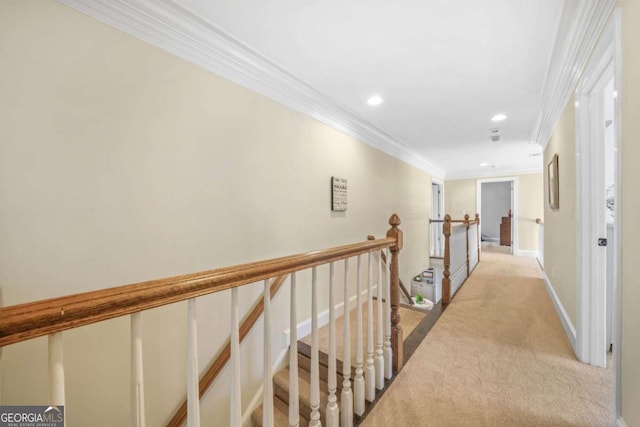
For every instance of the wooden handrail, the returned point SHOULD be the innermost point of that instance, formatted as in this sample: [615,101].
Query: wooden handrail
[397,338]
[446,281]
[448,224]
[462,221]
[402,287]
[216,366]
[26,321]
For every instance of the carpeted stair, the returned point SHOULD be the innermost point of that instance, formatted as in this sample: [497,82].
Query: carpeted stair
[410,318]
[281,389]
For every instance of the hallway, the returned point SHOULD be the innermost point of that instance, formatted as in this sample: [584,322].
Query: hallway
[497,357]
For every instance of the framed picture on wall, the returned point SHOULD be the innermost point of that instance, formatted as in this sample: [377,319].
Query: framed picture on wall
[553,188]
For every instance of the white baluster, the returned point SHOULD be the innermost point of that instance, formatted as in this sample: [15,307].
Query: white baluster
[137,377]
[379,330]
[193,393]
[369,373]
[333,412]
[267,395]
[388,352]
[235,416]
[315,365]
[294,408]
[56,370]
[347,397]
[358,381]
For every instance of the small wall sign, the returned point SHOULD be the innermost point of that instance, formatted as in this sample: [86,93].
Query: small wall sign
[338,194]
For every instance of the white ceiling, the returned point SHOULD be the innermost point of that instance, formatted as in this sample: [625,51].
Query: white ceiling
[443,68]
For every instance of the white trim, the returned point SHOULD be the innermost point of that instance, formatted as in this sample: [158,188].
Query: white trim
[617,272]
[304,327]
[484,173]
[514,205]
[591,291]
[174,29]
[568,60]
[569,329]
[256,400]
[620,422]
[520,252]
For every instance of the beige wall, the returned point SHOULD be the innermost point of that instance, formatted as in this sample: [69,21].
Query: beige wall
[560,224]
[630,100]
[121,163]
[461,198]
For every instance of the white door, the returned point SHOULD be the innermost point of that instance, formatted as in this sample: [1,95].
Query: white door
[596,167]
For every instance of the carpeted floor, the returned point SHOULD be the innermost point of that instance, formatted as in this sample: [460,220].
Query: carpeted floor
[495,247]
[498,356]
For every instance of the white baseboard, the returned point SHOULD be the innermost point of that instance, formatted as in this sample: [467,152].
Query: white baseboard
[620,422]
[304,327]
[562,313]
[521,252]
[256,401]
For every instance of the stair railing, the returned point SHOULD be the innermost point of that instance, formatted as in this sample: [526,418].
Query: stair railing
[54,316]
[403,288]
[461,253]
[221,360]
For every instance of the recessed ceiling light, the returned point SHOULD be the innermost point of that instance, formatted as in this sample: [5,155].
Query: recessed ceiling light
[498,118]
[374,100]
[484,164]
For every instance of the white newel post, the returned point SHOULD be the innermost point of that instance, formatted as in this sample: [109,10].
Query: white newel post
[388,352]
[193,392]
[379,330]
[137,375]
[235,416]
[358,381]
[369,373]
[333,412]
[56,370]
[294,408]
[315,363]
[347,397]
[267,380]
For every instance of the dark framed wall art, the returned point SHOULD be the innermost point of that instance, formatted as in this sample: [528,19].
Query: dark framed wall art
[552,183]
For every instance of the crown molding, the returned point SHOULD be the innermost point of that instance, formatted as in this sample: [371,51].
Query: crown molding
[569,58]
[482,173]
[168,26]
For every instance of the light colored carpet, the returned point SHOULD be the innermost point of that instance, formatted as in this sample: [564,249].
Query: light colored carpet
[498,356]
[495,248]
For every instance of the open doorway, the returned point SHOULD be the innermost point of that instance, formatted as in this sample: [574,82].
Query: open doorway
[496,206]
[437,218]
[598,169]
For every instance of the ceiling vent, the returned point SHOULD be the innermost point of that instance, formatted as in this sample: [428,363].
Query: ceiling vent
[495,134]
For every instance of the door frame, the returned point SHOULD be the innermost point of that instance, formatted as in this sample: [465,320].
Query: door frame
[440,184]
[591,292]
[514,206]
[436,237]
